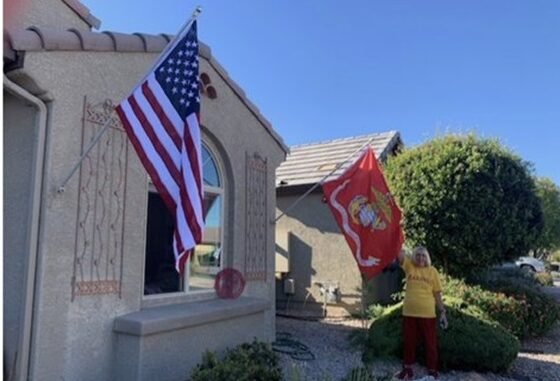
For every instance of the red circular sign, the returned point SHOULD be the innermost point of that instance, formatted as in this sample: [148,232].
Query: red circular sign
[229,284]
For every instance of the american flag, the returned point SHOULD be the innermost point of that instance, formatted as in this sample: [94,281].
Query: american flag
[161,118]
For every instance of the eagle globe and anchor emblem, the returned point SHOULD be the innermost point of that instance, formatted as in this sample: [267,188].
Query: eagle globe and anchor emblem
[362,211]
[376,215]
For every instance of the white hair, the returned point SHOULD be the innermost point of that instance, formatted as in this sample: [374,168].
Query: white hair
[422,250]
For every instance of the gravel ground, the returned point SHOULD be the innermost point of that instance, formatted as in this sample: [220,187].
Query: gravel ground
[539,359]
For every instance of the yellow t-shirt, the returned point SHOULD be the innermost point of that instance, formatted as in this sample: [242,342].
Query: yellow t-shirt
[421,283]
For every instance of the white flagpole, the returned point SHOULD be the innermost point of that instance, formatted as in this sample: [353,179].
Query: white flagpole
[105,127]
[320,182]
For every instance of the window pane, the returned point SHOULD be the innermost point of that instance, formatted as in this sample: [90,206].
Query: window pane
[209,169]
[207,258]
[160,275]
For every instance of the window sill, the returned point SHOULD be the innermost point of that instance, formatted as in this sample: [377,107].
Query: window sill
[174,317]
[157,300]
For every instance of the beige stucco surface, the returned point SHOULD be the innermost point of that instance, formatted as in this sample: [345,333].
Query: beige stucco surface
[74,339]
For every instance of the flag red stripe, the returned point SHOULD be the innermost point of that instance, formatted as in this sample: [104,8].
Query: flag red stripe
[181,260]
[190,215]
[154,175]
[161,150]
[193,156]
[178,242]
[158,110]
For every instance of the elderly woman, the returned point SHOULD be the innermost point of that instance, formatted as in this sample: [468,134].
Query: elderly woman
[423,293]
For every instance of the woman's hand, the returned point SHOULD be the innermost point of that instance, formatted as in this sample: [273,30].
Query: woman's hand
[443,323]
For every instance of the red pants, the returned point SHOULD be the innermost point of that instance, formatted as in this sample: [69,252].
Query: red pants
[414,330]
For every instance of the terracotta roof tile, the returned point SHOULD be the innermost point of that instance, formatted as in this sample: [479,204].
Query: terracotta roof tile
[57,39]
[126,42]
[25,40]
[152,44]
[95,41]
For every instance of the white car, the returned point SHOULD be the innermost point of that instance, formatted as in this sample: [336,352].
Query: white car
[530,264]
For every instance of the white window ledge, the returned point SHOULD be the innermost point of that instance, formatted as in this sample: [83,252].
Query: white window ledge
[156,320]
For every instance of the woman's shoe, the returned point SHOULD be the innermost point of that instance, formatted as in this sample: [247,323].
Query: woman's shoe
[405,374]
[433,373]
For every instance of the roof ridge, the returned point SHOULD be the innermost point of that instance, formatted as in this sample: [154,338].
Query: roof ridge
[83,12]
[390,132]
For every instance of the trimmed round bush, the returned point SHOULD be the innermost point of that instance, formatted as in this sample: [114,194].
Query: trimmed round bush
[472,342]
[470,201]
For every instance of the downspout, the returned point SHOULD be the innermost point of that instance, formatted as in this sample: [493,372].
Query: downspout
[22,365]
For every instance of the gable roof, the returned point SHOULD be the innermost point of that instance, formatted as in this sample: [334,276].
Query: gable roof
[308,164]
[50,39]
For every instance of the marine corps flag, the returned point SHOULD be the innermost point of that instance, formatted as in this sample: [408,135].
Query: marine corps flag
[367,214]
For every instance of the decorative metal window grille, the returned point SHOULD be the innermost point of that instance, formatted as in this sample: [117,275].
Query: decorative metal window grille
[101,205]
[256,221]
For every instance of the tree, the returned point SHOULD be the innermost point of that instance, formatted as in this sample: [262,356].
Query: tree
[471,201]
[549,196]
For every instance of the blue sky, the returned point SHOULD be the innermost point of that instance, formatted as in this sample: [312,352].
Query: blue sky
[325,69]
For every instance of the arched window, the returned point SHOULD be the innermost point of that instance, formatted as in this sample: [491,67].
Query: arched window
[206,261]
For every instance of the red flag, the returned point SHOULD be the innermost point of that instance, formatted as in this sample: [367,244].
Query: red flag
[161,118]
[367,214]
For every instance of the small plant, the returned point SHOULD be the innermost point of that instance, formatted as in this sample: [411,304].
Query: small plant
[248,362]
[374,311]
[545,279]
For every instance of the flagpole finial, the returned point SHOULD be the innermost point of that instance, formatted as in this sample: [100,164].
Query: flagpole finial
[197,12]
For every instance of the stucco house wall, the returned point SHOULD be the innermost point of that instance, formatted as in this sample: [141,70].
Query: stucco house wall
[112,331]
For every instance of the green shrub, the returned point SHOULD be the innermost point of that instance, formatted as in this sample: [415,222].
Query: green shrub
[549,196]
[471,201]
[472,342]
[508,311]
[247,362]
[542,309]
